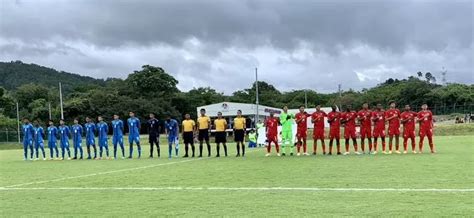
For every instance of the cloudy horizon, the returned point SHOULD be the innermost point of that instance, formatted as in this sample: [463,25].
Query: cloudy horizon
[305,44]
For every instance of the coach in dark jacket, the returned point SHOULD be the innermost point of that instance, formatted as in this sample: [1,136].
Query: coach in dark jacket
[153,134]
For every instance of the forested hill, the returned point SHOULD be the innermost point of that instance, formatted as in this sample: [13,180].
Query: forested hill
[16,73]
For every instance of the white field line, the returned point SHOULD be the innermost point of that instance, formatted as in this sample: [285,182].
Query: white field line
[108,172]
[271,189]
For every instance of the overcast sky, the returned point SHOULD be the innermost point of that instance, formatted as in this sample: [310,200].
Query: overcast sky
[218,43]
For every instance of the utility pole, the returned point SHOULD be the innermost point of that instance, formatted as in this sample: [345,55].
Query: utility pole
[18,121]
[305,99]
[49,109]
[256,96]
[61,100]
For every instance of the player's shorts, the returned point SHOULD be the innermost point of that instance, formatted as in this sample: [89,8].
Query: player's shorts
[379,133]
[335,133]
[301,134]
[349,133]
[171,139]
[132,139]
[393,131]
[51,144]
[117,139]
[153,137]
[272,138]
[78,144]
[408,134]
[188,137]
[65,144]
[39,145]
[221,137]
[203,135]
[103,143]
[239,135]
[27,143]
[90,141]
[426,132]
[318,133]
[365,132]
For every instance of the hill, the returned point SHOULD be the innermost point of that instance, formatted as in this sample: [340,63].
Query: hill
[17,73]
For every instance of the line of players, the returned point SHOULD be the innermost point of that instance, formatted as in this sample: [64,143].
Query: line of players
[367,118]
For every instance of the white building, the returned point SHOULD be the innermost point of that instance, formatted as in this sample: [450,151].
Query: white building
[311,111]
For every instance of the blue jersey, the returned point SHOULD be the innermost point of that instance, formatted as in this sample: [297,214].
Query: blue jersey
[172,127]
[117,126]
[39,134]
[28,132]
[133,126]
[52,133]
[102,129]
[77,132]
[90,130]
[64,133]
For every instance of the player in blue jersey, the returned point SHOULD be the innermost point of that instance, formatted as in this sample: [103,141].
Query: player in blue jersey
[39,140]
[64,134]
[172,132]
[102,130]
[134,133]
[77,138]
[52,139]
[117,137]
[90,137]
[28,134]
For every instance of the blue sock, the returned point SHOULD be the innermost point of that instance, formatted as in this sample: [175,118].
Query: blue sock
[170,150]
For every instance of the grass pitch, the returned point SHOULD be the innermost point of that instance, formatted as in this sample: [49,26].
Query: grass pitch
[365,185]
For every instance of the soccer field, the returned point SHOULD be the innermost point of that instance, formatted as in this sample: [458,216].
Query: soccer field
[367,185]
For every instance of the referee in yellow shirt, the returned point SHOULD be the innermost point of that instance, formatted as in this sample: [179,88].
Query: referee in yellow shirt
[189,127]
[204,126]
[239,133]
[221,136]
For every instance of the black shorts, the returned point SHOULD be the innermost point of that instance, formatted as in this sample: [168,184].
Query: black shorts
[188,137]
[221,137]
[239,135]
[203,135]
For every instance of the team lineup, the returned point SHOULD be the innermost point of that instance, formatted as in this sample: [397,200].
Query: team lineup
[372,127]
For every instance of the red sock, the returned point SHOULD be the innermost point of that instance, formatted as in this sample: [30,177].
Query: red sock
[324,147]
[338,148]
[269,147]
[314,147]
[413,144]
[390,146]
[304,147]
[430,141]
[421,144]
[347,147]
[383,146]
[405,144]
[277,147]
[362,145]
[355,147]
[370,147]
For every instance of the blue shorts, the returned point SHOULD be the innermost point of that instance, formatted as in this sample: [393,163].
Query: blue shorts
[117,139]
[65,144]
[90,141]
[132,139]
[77,144]
[39,145]
[171,139]
[28,143]
[104,143]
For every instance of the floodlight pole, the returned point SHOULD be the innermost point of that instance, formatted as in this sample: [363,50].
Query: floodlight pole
[61,100]
[18,122]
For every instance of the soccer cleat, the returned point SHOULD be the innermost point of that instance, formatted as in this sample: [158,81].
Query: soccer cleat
[384,152]
[68,158]
[405,152]
[324,153]
[358,153]
[267,154]
[44,158]
[314,153]
[374,152]
[433,152]
[346,153]
[306,154]
[339,153]
[414,152]
[390,152]
[61,158]
[238,155]
[291,154]
[88,158]
[278,154]
[283,154]
[200,156]
[217,155]
[397,152]
[298,154]
[75,158]
[36,158]
[329,153]
[123,158]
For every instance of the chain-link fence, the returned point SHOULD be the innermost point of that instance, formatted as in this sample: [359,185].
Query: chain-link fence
[8,135]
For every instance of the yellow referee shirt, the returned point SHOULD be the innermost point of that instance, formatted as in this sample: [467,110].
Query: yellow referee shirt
[203,122]
[220,124]
[188,125]
[239,123]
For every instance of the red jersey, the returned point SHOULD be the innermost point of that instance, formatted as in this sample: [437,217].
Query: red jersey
[409,117]
[364,117]
[334,119]
[318,119]
[426,119]
[272,126]
[349,118]
[379,119]
[395,122]
[302,121]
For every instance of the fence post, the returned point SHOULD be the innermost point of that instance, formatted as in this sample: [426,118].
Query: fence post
[7,133]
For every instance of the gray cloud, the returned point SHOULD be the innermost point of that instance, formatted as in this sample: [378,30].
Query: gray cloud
[210,43]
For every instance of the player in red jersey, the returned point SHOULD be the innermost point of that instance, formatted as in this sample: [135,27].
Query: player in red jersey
[318,131]
[408,120]
[348,119]
[301,119]
[425,118]
[392,115]
[378,117]
[365,126]
[334,120]
[271,125]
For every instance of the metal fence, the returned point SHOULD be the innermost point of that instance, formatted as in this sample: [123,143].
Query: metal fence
[7,135]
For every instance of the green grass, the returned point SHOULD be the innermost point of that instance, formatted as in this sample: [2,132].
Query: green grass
[451,168]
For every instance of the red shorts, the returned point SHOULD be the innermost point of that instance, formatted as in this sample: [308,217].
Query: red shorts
[301,134]
[318,134]
[335,133]
[379,133]
[365,132]
[426,132]
[349,133]
[393,131]
[272,138]
[408,134]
